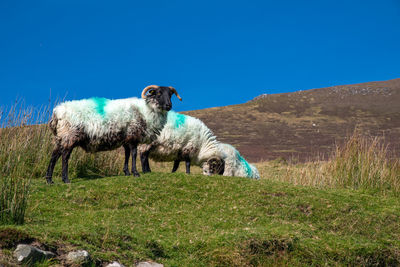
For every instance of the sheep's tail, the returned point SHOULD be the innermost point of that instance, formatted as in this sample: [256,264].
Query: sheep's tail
[53,124]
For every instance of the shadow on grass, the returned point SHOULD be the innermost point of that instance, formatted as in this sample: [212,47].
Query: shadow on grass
[87,177]
[92,177]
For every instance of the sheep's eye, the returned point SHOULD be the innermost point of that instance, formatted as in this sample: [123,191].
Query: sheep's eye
[151,92]
[158,93]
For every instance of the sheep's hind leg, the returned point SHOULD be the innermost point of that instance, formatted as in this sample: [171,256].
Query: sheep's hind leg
[65,157]
[148,164]
[127,154]
[176,165]
[54,157]
[133,148]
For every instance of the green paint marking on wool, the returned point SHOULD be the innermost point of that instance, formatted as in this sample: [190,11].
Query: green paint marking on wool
[178,119]
[249,172]
[100,102]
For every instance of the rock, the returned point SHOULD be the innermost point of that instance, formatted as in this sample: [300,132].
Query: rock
[78,257]
[115,264]
[149,264]
[27,254]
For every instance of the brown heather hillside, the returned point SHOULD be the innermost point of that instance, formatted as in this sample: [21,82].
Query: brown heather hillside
[306,123]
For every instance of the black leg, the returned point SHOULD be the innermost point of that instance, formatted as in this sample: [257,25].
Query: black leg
[143,162]
[54,157]
[133,148]
[147,163]
[65,157]
[144,159]
[187,161]
[127,154]
[176,165]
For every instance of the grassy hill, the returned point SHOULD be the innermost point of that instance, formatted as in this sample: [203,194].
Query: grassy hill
[306,123]
[194,220]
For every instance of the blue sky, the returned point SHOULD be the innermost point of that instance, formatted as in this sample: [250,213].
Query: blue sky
[214,53]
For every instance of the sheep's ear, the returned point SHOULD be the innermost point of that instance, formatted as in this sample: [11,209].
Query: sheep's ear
[152,92]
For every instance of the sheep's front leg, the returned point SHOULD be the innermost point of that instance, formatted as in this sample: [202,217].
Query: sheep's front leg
[133,148]
[65,157]
[127,155]
[176,165]
[54,157]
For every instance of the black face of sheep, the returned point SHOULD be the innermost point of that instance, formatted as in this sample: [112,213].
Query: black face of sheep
[214,166]
[159,96]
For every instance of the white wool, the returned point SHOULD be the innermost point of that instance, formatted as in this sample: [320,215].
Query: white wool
[235,164]
[184,134]
[99,116]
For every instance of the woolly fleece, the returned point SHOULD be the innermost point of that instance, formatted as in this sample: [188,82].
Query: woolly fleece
[184,135]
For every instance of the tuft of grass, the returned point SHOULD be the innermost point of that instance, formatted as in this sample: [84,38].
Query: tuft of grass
[361,163]
[20,159]
[14,193]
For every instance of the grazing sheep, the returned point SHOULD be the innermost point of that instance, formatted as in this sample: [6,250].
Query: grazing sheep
[235,164]
[182,138]
[99,124]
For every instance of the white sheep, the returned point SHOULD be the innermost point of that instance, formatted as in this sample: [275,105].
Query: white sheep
[182,138]
[99,124]
[234,164]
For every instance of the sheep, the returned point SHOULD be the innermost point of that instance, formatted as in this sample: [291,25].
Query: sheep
[182,138]
[100,124]
[187,138]
[234,164]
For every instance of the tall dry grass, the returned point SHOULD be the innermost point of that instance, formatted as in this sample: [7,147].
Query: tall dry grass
[361,163]
[25,149]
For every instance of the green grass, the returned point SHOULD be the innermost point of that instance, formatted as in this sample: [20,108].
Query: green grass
[193,220]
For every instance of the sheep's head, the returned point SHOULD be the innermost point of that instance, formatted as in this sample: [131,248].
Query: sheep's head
[214,166]
[159,97]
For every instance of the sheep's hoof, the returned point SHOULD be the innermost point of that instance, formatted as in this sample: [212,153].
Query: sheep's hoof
[127,173]
[66,181]
[136,174]
[49,181]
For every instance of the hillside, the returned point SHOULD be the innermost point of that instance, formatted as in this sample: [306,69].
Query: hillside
[306,123]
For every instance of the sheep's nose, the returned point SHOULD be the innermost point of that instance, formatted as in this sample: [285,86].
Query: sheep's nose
[168,107]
